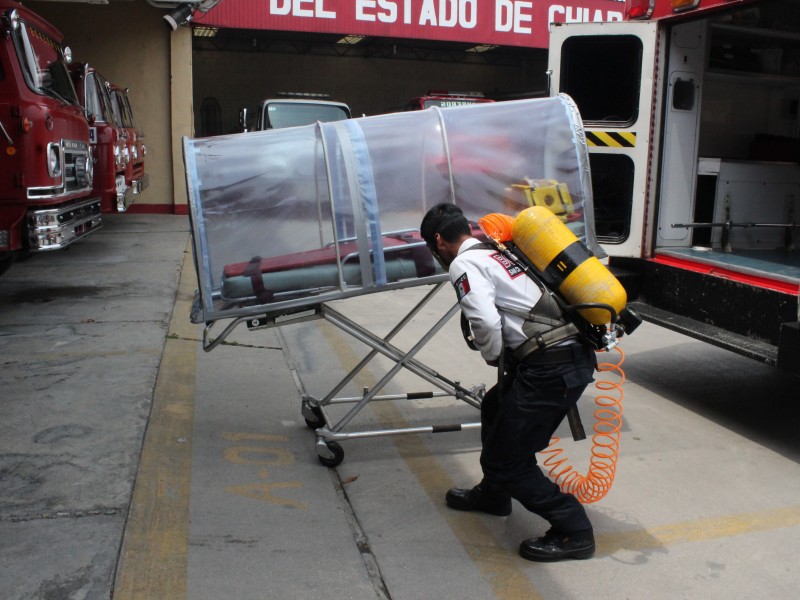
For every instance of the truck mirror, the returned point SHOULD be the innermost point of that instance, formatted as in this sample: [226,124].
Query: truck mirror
[45,79]
[243,119]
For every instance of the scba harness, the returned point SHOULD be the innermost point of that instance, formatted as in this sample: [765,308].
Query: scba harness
[551,321]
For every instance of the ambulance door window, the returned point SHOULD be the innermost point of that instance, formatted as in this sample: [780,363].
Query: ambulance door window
[612,188]
[602,73]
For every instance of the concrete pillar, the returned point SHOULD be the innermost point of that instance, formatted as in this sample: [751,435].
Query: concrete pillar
[181,110]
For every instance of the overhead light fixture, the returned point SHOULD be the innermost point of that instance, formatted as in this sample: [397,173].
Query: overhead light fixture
[205,31]
[482,48]
[351,39]
[180,15]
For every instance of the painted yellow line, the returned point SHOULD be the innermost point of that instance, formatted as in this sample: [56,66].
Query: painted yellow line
[153,560]
[699,531]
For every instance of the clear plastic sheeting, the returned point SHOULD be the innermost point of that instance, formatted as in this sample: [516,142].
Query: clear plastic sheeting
[288,218]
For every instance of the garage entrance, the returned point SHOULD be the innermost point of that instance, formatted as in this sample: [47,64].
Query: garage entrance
[237,68]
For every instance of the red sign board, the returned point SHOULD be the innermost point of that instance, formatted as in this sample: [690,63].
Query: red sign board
[498,22]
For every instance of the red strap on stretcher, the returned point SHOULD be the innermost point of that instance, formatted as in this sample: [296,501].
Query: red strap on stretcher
[254,272]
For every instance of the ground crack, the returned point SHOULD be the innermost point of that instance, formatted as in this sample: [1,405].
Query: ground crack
[362,542]
[62,514]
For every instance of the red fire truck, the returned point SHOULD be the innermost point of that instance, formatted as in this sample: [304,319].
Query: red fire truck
[46,199]
[108,140]
[692,117]
[135,176]
[444,99]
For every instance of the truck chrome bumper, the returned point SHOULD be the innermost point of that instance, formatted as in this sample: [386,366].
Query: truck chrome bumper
[140,185]
[55,228]
[124,199]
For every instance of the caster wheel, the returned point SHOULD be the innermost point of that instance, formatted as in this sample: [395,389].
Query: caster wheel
[318,420]
[338,455]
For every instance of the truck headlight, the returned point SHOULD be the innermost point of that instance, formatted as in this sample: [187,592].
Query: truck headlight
[54,160]
[89,170]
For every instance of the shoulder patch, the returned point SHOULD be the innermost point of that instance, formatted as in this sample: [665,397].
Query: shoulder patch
[512,269]
[462,286]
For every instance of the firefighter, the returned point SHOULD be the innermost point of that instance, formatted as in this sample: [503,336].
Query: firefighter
[505,309]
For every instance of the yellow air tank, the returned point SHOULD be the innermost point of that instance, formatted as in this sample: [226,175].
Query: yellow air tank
[567,265]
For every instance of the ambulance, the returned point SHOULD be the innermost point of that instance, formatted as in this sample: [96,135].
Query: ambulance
[691,110]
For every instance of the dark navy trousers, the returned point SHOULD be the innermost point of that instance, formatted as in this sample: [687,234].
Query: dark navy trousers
[519,421]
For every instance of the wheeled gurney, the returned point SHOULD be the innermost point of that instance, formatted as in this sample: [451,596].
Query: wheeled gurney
[285,222]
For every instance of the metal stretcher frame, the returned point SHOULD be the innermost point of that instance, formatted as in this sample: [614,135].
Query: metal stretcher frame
[355,192]
[329,432]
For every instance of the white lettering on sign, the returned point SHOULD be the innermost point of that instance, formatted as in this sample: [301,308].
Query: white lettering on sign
[576,14]
[301,8]
[511,15]
[449,13]
[387,10]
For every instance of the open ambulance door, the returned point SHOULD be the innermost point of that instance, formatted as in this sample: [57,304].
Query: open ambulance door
[608,70]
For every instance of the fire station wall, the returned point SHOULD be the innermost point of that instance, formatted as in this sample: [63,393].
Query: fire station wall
[368,85]
[130,44]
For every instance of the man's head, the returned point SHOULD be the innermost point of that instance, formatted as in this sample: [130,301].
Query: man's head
[443,228]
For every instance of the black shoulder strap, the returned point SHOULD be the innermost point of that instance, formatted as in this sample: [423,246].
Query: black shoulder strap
[481,246]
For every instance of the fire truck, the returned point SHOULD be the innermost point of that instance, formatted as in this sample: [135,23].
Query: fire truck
[135,149]
[691,110]
[46,199]
[108,140]
[445,99]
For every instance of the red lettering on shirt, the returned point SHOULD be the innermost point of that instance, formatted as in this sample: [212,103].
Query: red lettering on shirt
[513,269]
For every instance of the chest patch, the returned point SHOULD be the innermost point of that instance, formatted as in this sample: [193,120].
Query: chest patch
[462,286]
[512,269]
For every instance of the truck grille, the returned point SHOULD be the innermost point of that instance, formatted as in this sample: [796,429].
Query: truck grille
[75,176]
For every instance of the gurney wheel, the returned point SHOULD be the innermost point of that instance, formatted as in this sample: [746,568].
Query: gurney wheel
[338,455]
[318,420]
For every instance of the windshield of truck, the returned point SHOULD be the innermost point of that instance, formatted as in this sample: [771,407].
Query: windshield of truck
[293,114]
[97,101]
[126,103]
[122,115]
[43,64]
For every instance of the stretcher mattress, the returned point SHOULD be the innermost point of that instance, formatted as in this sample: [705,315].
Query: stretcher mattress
[313,271]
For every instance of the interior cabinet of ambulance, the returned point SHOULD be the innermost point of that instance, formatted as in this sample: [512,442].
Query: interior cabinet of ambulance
[749,167]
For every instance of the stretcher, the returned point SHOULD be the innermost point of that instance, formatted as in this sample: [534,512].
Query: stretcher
[286,222]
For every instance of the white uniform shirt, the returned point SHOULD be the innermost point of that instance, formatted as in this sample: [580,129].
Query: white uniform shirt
[485,280]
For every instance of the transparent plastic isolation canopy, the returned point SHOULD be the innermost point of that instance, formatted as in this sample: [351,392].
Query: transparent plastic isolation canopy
[289,218]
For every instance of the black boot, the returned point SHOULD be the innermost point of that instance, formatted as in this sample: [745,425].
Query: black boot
[479,500]
[555,545]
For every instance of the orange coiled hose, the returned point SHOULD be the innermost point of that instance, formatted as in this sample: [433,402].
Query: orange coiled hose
[605,442]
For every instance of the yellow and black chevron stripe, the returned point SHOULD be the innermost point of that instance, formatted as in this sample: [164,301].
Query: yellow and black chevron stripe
[611,139]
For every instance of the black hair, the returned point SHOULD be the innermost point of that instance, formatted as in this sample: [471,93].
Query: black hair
[447,220]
